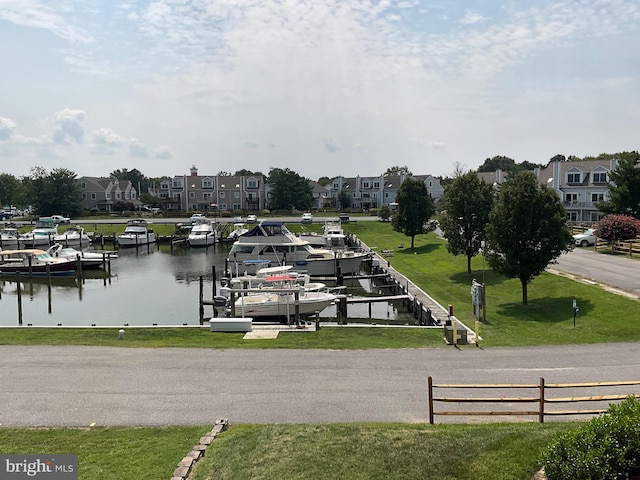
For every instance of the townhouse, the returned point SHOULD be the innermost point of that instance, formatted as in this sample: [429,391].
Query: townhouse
[103,192]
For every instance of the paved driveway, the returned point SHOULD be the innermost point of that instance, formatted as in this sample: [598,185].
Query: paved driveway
[78,386]
[617,271]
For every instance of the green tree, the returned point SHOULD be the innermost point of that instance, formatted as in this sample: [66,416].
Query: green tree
[11,191]
[465,213]
[498,162]
[246,173]
[617,227]
[527,229]
[324,181]
[415,208]
[397,170]
[624,187]
[384,212]
[344,199]
[289,190]
[137,179]
[53,193]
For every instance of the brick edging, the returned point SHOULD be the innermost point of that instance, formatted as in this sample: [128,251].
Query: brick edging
[185,465]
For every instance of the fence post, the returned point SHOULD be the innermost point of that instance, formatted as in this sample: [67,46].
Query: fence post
[541,408]
[430,388]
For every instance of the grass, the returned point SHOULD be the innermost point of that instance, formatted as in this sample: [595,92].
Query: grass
[109,453]
[318,451]
[547,319]
[367,451]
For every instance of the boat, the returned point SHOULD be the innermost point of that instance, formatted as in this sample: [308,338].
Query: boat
[273,241]
[202,234]
[42,234]
[137,232]
[87,259]
[263,279]
[280,297]
[9,238]
[238,229]
[73,236]
[34,262]
[332,236]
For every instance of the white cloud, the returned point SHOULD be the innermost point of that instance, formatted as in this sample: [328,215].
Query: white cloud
[106,142]
[68,126]
[471,18]
[330,146]
[251,144]
[437,145]
[162,152]
[7,127]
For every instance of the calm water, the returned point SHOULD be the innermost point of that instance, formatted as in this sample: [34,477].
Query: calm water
[146,287]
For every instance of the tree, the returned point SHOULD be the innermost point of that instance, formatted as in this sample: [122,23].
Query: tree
[527,229]
[137,179]
[391,171]
[53,193]
[246,173]
[289,190]
[384,212]
[11,190]
[415,208]
[498,162]
[344,199]
[624,186]
[465,213]
[617,227]
[324,181]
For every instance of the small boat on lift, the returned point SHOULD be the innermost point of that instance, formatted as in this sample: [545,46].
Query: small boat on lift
[202,234]
[9,238]
[88,259]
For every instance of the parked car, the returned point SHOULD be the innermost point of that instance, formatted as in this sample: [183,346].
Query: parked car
[196,217]
[60,219]
[307,218]
[344,218]
[586,238]
[252,219]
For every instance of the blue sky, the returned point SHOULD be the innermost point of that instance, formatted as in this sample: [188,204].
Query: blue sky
[323,87]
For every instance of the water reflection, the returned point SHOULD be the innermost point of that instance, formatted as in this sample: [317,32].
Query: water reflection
[156,285]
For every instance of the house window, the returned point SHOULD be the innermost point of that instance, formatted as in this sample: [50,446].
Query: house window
[165,185]
[572,216]
[336,186]
[84,196]
[164,195]
[133,195]
[108,196]
[573,178]
[222,206]
[365,195]
[84,185]
[221,194]
[596,216]
[374,195]
[571,197]
[207,184]
[192,194]
[252,183]
[93,196]
[600,177]
[236,194]
[126,196]
[386,194]
[376,184]
[207,196]
[597,197]
[118,196]
[237,206]
[176,195]
[365,184]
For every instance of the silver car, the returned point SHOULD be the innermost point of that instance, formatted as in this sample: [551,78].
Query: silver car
[586,238]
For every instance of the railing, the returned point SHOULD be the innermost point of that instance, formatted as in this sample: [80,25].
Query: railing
[538,399]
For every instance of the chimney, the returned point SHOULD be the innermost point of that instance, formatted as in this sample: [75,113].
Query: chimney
[194,171]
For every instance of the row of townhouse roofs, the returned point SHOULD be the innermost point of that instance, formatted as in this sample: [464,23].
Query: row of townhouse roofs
[580,186]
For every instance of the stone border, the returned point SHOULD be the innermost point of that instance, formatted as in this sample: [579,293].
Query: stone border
[185,466]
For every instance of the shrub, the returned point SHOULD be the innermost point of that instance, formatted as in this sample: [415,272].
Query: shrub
[606,448]
[618,227]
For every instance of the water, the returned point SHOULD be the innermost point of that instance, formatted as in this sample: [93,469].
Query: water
[148,286]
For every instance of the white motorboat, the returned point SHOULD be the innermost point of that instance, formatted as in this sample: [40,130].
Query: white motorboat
[265,277]
[9,238]
[42,234]
[238,229]
[281,296]
[273,241]
[136,233]
[332,236]
[73,236]
[88,259]
[34,262]
[202,234]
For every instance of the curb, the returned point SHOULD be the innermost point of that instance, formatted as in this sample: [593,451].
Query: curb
[185,466]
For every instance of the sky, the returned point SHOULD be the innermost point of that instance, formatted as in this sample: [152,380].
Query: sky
[322,87]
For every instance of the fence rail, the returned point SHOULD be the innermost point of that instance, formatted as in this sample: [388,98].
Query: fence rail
[538,400]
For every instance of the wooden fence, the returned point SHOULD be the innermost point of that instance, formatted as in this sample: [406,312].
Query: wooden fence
[537,400]
[629,247]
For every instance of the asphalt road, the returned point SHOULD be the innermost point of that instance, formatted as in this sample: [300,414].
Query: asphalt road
[617,271]
[79,386]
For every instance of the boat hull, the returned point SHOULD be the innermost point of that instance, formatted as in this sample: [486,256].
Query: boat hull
[60,269]
[279,305]
[132,240]
[201,240]
[346,264]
